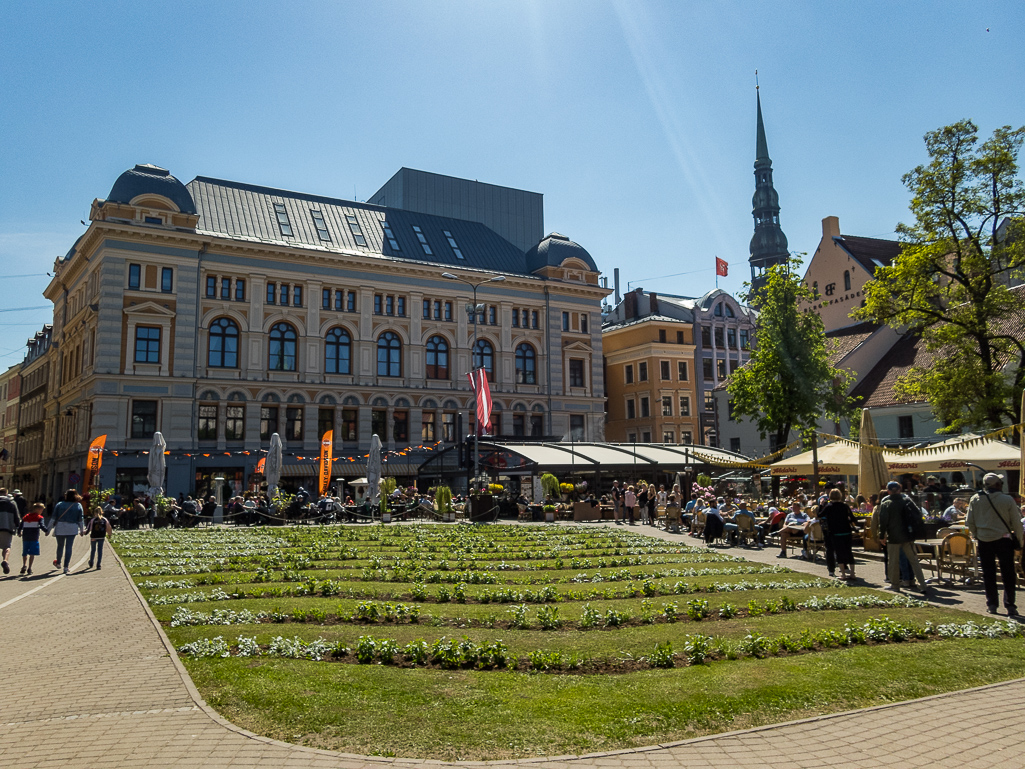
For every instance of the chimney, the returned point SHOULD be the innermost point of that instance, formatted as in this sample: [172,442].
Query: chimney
[630,306]
[830,227]
[615,274]
[653,297]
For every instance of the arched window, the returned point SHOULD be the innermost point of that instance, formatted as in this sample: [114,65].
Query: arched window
[484,355]
[338,352]
[718,310]
[281,352]
[729,312]
[526,364]
[846,280]
[389,354]
[437,358]
[223,347]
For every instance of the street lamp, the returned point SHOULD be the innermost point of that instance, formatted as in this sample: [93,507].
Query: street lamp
[474,309]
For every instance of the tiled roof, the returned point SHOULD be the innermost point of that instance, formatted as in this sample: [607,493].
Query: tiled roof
[843,341]
[246,212]
[869,252]
[877,388]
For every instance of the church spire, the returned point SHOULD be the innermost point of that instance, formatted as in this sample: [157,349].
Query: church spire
[768,245]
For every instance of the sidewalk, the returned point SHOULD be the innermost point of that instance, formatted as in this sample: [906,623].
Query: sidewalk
[89,682]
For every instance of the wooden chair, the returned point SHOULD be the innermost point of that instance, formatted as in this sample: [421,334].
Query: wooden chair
[523,513]
[746,533]
[699,522]
[816,541]
[956,554]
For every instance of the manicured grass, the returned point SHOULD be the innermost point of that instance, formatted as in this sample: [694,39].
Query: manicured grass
[636,682]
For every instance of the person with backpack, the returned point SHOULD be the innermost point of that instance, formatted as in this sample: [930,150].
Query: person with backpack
[899,518]
[99,529]
[10,519]
[995,521]
[67,521]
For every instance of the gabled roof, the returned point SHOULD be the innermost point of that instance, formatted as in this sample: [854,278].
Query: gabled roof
[869,252]
[843,341]
[245,212]
[878,386]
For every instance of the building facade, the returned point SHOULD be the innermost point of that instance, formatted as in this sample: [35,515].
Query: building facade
[10,396]
[220,312]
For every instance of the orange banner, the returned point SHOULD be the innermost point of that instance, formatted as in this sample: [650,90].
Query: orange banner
[93,462]
[261,464]
[325,461]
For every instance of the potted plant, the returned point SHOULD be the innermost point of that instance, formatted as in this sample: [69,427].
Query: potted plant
[443,501]
[550,485]
[549,511]
[386,487]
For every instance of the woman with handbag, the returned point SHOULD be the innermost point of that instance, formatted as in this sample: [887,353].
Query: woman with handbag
[68,520]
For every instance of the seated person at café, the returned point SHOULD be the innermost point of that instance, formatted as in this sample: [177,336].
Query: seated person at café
[774,523]
[793,526]
[714,522]
[956,512]
[733,527]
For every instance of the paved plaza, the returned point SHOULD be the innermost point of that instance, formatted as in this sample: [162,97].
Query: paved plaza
[90,681]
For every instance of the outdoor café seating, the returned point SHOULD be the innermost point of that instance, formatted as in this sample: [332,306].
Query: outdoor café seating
[956,555]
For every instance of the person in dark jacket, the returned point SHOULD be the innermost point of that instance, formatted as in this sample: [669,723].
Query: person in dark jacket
[20,501]
[838,524]
[895,536]
[10,519]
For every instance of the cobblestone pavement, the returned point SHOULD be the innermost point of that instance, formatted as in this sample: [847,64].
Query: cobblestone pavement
[90,682]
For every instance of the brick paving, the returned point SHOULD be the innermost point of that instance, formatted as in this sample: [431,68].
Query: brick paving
[90,682]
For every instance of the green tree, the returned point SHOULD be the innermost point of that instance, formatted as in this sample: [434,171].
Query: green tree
[788,384]
[950,282]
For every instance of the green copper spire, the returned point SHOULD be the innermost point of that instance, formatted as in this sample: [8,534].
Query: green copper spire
[768,245]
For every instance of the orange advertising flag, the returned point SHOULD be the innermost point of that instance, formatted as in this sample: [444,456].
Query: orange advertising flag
[94,461]
[325,461]
[261,464]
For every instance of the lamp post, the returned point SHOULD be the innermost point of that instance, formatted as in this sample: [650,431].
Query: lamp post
[474,309]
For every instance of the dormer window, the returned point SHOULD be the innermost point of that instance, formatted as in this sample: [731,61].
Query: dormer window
[153,220]
[283,223]
[423,241]
[452,242]
[391,236]
[354,228]
[321,225]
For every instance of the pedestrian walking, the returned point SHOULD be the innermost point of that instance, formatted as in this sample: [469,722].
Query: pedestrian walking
[642,502]
[838,524]
[896,513]
[652,513]
[617,503]
[630,502]
[99,529]
[10,518]
[28,530]
[68,520]
[995,521]
[20,501]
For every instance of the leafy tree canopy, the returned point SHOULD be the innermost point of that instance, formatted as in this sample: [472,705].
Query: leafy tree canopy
[788,383]
[952,281]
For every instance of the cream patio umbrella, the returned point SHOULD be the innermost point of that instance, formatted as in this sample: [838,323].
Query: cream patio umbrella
[872,472]
[374,472]
[155,474]
[272,467]
[838,458]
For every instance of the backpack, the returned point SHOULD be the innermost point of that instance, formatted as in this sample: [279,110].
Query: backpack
[98,529]
[911,518]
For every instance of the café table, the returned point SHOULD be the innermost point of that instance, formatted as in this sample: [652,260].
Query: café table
[931,549]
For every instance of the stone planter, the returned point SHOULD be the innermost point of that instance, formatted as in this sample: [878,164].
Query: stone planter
[385,517]
[449,517]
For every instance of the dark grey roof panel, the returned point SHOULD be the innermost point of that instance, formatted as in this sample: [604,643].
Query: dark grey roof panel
[150,179]
[246,212]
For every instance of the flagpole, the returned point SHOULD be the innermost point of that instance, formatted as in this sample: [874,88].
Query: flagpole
[717,272]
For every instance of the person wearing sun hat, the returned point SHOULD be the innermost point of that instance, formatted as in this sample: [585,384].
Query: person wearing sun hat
[995,521]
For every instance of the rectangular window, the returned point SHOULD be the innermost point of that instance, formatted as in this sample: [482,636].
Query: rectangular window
[339,300]
[515,318]
[519,427]
[684,406]
[235,423]
[492,316]
[401,307]
[379,423]
[686,437]
[225,288]
[325,421]
[662,335]
[134,275]
[294,423]
[628,373]
[378,304]
[147,344]
[423,241]
[283,295]
[706,336]
[325,299]
[166,279]
[709,401]
[448,423]
[667,405]
[729,411]
[646,436]
[452,243]
[427,309]
[282,216]
[679,337]
[533,318]
[718,338]
[427,427]
[565,321]
[630,409]
[349,420]
[905,427]
[720,367]
[537,426]
[389,305]
[271,293]
[733,365]
[576,426]
[576,372]
[354,228]
[707,369]
[668,436]
[351,303]
[321,225]
[240,290]
[642,371]
[297,296]
[390,236]
[211,287]
[400,426]
[735,445]
[681,370]
[268,422]
[207,422]
[437,310]
[744,340]
[663,370]
[645,408]
[583,323]
[731,338]
[448,310]
[144,419]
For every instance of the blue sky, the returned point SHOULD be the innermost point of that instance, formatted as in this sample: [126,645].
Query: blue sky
[635,119]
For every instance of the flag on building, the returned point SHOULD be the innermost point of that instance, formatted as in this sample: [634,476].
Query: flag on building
[722,267]
[479,383]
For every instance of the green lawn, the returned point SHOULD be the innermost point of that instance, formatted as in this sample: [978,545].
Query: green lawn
[459,642]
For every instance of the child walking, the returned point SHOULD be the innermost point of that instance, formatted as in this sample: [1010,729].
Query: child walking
[99,529]
[29,530]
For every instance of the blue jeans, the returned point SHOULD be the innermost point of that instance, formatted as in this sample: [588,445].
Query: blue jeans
[96,551]
[64,545]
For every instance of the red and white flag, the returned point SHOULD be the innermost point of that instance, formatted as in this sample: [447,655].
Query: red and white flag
[479,383]
[722,267]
